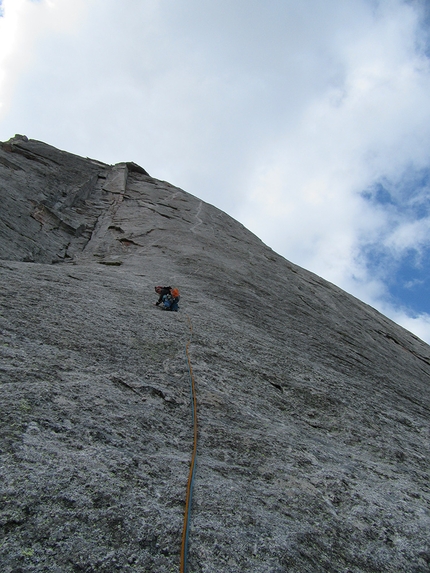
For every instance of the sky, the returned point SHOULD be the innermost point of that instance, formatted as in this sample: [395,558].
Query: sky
[308,121]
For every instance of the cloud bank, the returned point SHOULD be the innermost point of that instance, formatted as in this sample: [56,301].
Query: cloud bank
[307,121]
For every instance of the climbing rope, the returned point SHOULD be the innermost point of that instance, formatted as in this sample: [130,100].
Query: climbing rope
[189,496]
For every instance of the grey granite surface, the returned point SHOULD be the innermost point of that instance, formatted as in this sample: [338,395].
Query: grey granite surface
[313,408]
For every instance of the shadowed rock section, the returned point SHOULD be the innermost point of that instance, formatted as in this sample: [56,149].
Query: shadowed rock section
[313,407]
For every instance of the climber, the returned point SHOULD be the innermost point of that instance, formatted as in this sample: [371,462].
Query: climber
[168,298]
[171,300]
[162,291]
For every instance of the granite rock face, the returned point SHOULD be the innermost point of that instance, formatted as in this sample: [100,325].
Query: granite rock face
[313,408]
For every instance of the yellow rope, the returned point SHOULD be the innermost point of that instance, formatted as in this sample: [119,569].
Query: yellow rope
[188,499]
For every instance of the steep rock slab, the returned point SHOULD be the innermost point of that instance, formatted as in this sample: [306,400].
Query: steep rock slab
[313,407]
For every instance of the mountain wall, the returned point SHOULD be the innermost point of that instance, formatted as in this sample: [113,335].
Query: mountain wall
[313,408]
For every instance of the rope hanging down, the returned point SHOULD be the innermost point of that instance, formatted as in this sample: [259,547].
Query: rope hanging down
[189,496]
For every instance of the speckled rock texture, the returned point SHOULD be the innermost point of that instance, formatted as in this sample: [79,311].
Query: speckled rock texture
[313,408]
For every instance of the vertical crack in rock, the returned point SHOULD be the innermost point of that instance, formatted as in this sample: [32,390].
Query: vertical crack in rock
[199,221]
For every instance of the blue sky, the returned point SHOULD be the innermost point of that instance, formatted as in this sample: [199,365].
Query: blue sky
[405,265]
[307,121]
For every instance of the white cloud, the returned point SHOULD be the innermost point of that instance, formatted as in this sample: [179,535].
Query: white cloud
[409,235]
[22,28]
[414,283]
